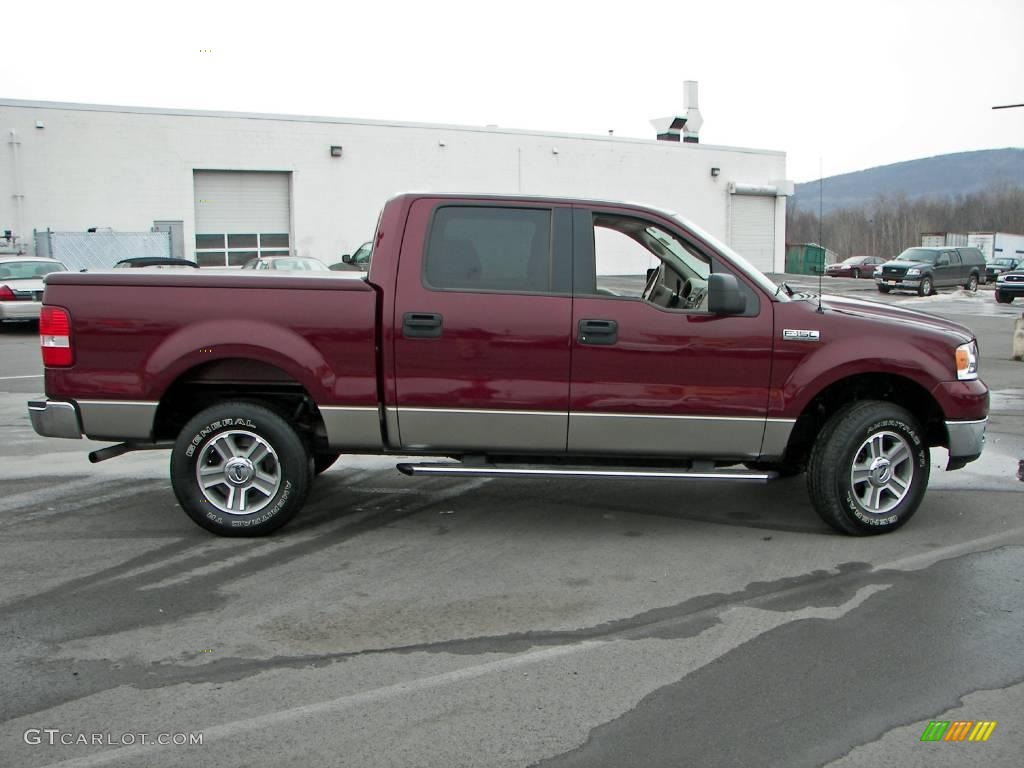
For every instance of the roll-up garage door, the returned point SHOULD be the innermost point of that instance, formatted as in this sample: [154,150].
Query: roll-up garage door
[752,229]
[241,215]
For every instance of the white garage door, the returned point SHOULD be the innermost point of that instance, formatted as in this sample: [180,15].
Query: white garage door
[240,215]
[752,229]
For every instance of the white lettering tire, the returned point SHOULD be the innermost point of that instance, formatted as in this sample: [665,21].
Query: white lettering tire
[868,471]
[239,469]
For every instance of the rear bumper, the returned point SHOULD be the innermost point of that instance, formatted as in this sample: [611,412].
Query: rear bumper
[966,440]
[20,310]
[55,418]
[96,419]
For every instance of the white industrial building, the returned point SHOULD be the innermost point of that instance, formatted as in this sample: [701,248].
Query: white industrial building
[228,185]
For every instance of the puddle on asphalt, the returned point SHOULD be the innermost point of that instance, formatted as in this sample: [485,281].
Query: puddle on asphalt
[998,469]
[1006,400]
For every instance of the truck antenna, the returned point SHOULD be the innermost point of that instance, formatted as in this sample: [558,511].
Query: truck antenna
[821,239]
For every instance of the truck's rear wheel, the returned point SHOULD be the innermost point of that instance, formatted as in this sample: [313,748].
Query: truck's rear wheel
[240,469]
[972,283]
[869,468]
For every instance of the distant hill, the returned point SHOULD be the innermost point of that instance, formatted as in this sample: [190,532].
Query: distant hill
[941,176]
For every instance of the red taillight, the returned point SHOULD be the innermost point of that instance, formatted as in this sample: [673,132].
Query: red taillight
[6,294]
[55,337]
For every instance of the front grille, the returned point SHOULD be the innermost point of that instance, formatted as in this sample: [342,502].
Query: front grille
[893,272]
[1014,278]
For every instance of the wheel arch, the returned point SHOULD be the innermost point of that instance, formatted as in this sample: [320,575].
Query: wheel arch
[237,378]
[888,387]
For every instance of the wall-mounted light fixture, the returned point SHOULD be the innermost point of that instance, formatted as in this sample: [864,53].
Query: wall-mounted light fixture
[40,124]
[441,143]
[554,150]
[335,151]
[715,171]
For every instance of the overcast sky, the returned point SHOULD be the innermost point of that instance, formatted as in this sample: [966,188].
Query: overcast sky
[848,84]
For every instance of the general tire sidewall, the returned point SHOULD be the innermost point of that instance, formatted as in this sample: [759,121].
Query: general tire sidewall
[920,457]
[292,458]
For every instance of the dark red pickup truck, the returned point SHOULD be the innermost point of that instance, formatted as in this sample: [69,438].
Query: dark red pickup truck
[516,336]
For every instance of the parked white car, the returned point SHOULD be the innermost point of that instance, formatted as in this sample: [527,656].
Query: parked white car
[21,285]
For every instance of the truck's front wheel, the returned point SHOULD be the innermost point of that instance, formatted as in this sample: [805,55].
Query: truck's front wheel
[239,469]
[869,468]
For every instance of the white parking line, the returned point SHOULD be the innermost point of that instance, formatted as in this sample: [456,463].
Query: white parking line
[33,376]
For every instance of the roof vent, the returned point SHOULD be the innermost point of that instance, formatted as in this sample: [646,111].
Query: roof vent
[685,127]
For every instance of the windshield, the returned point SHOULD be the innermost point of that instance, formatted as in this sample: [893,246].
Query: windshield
[694,265]
[1004,262]
[308,265]
[740,263]
[28,270]
[919,255]
[362,255]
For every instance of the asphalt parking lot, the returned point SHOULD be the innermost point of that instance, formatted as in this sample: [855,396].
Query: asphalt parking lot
[438,622]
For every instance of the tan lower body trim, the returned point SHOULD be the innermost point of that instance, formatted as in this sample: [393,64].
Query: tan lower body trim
[353,428]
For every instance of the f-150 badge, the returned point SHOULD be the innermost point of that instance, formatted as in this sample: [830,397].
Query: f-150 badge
[790,334]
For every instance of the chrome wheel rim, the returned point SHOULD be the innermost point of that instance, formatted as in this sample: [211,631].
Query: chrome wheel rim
[882,472]
[238,472]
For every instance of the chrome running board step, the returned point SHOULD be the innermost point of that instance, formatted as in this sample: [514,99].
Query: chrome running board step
[546,470]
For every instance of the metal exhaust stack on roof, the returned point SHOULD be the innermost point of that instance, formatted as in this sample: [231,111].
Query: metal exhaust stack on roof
[686,126]
[694,121]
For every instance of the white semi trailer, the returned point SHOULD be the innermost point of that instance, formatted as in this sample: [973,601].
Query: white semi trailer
[996,244]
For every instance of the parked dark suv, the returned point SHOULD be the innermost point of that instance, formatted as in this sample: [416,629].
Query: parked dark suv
[925,269]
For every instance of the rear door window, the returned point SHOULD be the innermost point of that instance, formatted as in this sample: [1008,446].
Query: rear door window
[491,249]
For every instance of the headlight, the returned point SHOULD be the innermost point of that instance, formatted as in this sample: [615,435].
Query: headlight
[1000,278]
[967,361]
[878,272]
[913,271]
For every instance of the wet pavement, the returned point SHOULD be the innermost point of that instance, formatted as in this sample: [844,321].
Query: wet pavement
[437,622]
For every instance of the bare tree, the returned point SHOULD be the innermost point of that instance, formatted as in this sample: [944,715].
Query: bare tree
[889,224]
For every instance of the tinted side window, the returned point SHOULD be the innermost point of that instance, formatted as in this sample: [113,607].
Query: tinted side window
[490,249]
[971,256]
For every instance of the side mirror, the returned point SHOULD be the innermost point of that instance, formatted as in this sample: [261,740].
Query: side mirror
[724,295]
[346,258]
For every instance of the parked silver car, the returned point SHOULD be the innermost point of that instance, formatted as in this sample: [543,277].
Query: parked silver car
[21,285]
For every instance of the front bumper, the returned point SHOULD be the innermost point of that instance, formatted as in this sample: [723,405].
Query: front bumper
[1015,289]
[906,283]
[55,418]
[966,440]
[20,310]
